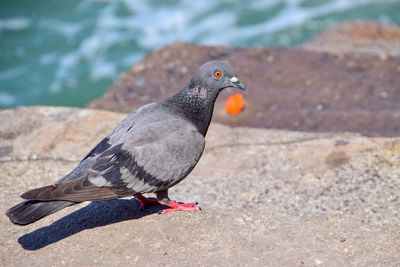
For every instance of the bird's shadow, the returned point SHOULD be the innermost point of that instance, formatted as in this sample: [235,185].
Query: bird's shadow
[93,215]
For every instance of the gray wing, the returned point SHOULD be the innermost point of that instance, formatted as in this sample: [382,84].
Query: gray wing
[86,163]
[149,157]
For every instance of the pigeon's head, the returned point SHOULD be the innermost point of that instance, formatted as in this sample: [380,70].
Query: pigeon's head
[216,75]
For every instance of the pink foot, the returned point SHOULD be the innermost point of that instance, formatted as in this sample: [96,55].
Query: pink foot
[144,201]
[174,206]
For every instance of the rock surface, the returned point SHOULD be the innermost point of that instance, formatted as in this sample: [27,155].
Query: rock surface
[358,37]
[270,197]
[294,89]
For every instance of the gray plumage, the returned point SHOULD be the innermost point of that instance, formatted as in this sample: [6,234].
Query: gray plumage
[150,151]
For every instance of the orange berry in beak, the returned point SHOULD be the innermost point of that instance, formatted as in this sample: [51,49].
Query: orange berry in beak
[234,104]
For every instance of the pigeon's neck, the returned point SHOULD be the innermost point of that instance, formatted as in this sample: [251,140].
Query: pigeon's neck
[196,104]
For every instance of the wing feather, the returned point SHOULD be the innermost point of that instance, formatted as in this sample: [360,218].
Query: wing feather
[153,159]
[77,190]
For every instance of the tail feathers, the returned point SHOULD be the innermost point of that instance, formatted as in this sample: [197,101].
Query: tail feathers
[30,211]
[77,190]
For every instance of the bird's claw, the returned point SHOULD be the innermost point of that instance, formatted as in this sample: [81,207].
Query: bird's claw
[175,206]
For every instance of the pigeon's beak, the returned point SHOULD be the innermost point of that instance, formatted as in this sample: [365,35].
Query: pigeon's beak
[235,82]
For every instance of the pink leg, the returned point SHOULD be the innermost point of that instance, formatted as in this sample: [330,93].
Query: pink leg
[175,206]
[144,201]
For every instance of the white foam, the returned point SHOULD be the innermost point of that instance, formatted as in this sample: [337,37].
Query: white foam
[68,30]
[48,58]
[154,26]
[15,24]
[293,14]
[7,100]
[102,69]
[66,63]
[11,73]
[131,59]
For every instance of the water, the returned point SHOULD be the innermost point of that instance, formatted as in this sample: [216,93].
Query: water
[69,52]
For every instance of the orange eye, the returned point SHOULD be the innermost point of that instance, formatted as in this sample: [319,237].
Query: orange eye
[217,73]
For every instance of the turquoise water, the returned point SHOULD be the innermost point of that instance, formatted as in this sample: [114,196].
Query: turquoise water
[69,52]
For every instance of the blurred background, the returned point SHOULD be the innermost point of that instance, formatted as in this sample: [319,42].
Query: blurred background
[69,52]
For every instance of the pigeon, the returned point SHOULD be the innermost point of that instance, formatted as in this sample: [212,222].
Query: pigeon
[151,150]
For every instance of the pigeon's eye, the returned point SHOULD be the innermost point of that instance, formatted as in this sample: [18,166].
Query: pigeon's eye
[217,73]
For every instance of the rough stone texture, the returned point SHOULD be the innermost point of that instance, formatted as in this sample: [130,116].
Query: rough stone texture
[270,197]
[294,89]
[358,37]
